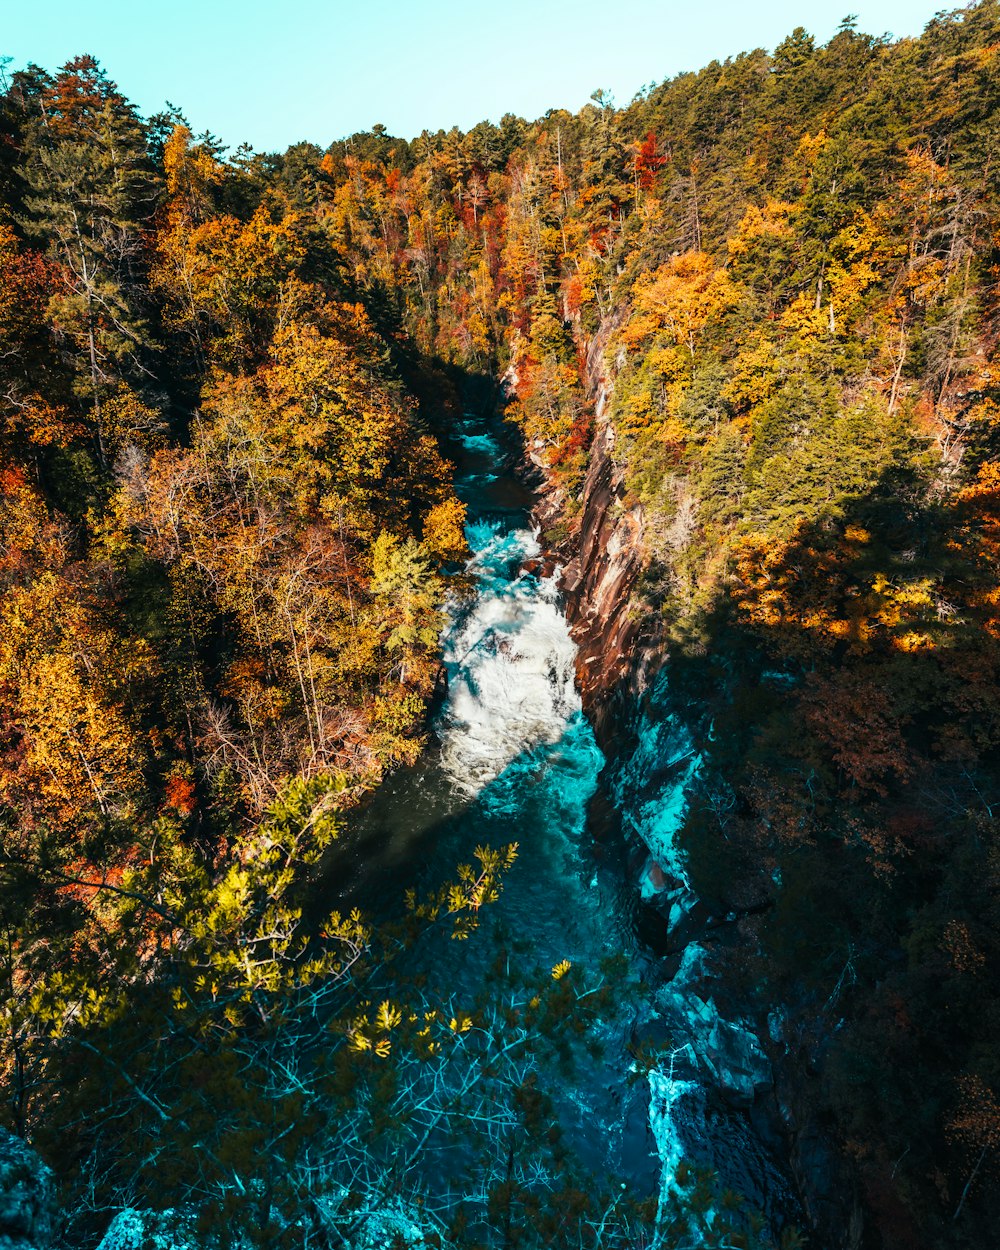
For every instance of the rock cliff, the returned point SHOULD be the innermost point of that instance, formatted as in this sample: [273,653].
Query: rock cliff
[602,559]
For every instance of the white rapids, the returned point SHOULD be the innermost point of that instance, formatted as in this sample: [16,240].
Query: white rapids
[510,662]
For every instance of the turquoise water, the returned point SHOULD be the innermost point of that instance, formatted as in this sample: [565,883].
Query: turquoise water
[515,760]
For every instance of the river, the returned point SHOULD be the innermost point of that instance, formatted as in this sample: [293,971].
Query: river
[516,761]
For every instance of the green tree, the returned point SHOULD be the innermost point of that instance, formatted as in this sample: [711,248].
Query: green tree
[90,192]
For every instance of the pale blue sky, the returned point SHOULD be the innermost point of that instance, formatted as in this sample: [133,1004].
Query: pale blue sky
[271,72]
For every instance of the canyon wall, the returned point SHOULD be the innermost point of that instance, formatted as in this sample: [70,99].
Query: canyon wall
[602,559]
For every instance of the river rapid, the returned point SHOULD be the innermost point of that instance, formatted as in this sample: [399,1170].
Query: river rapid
[516,761]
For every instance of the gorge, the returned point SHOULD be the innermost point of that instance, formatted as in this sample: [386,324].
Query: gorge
[500,667]
[518,761]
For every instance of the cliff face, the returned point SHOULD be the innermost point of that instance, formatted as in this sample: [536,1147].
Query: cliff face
[602,561]
[598,581]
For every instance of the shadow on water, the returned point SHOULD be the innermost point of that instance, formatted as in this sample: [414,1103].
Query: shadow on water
[419,826]
[559,901]
[564,898]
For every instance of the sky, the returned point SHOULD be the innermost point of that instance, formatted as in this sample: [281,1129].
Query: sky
[273,72]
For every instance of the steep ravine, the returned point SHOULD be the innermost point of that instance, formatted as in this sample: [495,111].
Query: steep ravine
[518,760]
[647,737]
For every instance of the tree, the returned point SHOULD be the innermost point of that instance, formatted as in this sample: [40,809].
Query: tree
[407,601]
[90,192]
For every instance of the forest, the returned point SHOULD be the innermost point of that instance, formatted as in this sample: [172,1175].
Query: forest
[229,527]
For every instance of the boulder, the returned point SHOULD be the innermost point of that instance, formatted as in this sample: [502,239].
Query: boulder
[729,1051]
[737,1060]
[149,1230]
[395,1224]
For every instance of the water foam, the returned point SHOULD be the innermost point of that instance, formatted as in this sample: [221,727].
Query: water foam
[510,661]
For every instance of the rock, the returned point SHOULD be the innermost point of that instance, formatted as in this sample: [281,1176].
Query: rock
[26,1215]
[149,1230]
[726,1052]
[730,1052]
[652,880]
[827,1184]
[737,1060]
[600,554]
[395,1224]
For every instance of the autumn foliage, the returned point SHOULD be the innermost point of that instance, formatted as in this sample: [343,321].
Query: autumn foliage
[227,521]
